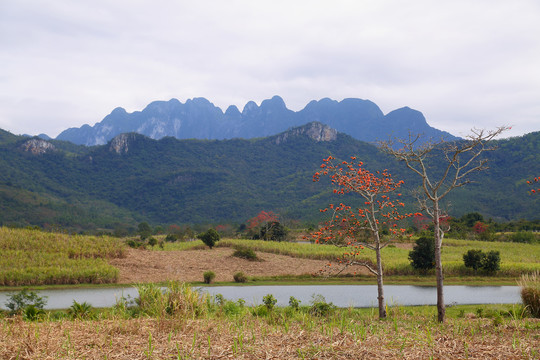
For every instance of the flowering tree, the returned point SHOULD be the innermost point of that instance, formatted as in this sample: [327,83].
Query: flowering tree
[264,218]
[359,228]
[460,159]
[532,184]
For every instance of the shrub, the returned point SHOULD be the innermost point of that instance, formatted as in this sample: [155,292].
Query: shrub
[294,303]
[491,261]
[473,259]
[523,237]
[530,292]
[240,277]
[273,231]
[477,259]
[18,303]
[80,311]
[319,306]
[422,256]
[209,276]
[245,253]
[171,238]
[152,241]
[269,301]
[209,238]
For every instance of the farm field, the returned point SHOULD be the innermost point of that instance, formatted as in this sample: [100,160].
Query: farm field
[33,258]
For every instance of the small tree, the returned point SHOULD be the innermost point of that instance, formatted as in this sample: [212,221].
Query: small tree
[461,159]
[144,230]
[422,256]
[273,231]
[473,259]
[359,228]
[209,238]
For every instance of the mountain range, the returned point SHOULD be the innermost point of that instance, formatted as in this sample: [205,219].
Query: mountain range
[134,178]
[198,118]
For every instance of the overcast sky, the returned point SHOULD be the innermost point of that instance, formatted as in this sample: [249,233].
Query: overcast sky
[463,64]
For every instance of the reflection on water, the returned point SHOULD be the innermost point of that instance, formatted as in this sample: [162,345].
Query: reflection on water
[339,295]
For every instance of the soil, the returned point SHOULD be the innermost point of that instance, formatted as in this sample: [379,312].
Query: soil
[141,266]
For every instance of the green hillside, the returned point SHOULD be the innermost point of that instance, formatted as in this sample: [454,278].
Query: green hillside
[210,181]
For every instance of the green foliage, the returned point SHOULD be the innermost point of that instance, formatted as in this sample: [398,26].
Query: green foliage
[524,237]
[294,303]
[319,306]
[171,238]
[144,230]
[208,276]
[269,301]
[80,310]
[245,253]
[240,277]
[492,261]
[273,231]
[473,259]
[173,180]
[152,241]
[19,303]
[209,238]
[422,256]
[477,259]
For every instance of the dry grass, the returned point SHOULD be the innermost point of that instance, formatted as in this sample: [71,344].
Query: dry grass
[261,338]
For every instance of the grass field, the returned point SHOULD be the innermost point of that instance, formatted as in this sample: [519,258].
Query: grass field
[178,325]
[33,257]
[516,258]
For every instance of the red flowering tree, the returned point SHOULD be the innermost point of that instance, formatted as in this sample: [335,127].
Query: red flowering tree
[533,184]
[359,228]
[264,218]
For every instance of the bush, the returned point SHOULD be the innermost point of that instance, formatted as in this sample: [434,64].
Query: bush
[294,303]
[209,238]
[273,231]
[240,277]
[208,276]
[245,253]
[171,238]
[523,237]
[319,306]
[491,261]
[80,311]
[422,256]
[473,259]
[530,292]
[269,301]
[477,259]
[25,300]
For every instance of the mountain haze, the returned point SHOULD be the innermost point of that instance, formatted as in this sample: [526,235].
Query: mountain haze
[198,118]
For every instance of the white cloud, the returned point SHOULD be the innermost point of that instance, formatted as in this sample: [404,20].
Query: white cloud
[461,63]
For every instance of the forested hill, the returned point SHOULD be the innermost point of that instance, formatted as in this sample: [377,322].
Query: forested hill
[134,178]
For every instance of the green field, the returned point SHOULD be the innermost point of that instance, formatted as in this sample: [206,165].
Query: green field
[33,257]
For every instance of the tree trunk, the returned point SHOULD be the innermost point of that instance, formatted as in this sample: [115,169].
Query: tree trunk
[380,289]
[441,309]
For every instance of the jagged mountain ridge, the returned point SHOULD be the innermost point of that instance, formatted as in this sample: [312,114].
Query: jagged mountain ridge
[198,118]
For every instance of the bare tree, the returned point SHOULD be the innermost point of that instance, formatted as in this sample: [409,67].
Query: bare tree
[461,158]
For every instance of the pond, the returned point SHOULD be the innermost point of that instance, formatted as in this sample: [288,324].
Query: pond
[339,295]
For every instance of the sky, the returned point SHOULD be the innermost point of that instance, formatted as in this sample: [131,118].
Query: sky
[463,63]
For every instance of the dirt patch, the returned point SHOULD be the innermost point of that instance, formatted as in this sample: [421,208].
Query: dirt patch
[155,266]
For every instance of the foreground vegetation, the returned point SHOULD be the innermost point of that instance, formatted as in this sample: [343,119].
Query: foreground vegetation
[33,257]
[180,324]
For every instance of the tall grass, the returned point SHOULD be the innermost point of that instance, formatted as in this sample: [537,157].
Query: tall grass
[33,257]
